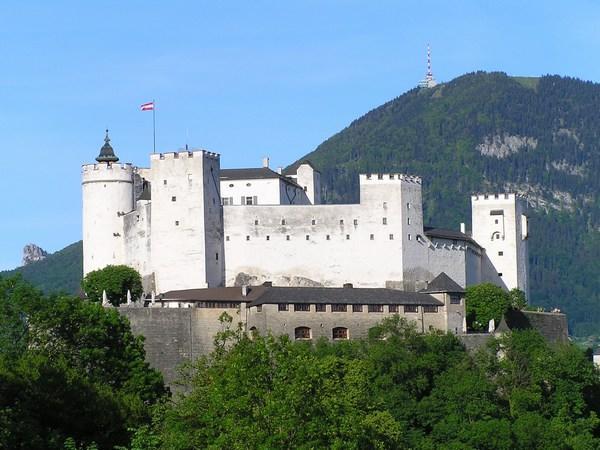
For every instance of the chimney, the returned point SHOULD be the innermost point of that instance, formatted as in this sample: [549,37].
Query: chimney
[244,290]
[463,229]
[280,170]
[348,286]
[266,162]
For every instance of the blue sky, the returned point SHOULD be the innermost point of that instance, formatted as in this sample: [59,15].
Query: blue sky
[244,79]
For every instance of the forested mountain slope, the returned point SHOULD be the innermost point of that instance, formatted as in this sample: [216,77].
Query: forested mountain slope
[491,132]
[59,272]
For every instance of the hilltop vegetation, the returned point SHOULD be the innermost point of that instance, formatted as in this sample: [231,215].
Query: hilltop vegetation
[487,132]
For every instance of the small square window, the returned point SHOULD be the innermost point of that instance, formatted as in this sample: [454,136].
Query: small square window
[430,309]
[496,221]
[357,308]
[226,238]
[499,274]
[249,201]
[268,237]
[375,308]
[355,221]
[247,238]
[500,253]
[408,206]
[287,238]
[454,299]
[282,307]
[337,307]
[393,308]
[282,221]
[372,237]
[177,223]
[391,237]
[217,256]
[409,237]
[327,237]
[173,199]
[385,220]
[256,222]
[341,221]
[301,307]
[410,308]
[347,237]
[313,222]
[320,307]
[308,237]
[259,308]
[408,221]
[165,182]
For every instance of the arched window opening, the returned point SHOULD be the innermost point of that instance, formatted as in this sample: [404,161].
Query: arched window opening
[340,333]
[302,333]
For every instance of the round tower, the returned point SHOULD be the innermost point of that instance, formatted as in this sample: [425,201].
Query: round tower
[107,193]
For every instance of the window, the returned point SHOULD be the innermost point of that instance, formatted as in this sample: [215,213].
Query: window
[385,221]
[173,199]
[408,221]
[165,182]
[327,237]
[301,307]
[249,201]
[226,201]
[247,238]
[391,237]
[410,308]
[231,185]
[302,333]
[282,307]
[308,237]
[375,308]
[259,308]
[282,221]
[356,308]
[287,238]
[409,237]
[347,237]
[313,222]
[226,238]
[372,237]
[430,308]
[355,221]
[496,221]
[336,307]
[248,184]
[267,237]
[177,223]
[341,221]
[255,221]
[391,176]
[339,333]
[320,307]
[217,256]
[380,176]
[393,308]
[305,189]
[499,274]
[408,205]
[500,253]
[454,299]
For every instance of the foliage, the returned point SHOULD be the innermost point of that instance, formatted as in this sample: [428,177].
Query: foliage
[435,133]
[116,281]
[396,389]
[487,301]
[75,376]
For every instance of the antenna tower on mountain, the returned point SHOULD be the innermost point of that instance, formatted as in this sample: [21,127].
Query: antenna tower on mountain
[428,81]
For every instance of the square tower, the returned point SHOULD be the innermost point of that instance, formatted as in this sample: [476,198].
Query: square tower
[187,221]
[500,227]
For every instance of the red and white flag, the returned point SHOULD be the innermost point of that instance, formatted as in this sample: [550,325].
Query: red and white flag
[147,106]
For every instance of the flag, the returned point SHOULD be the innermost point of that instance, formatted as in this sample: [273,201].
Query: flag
[147,106]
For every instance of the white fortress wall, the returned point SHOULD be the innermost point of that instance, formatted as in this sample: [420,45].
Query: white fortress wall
[107,193]
[138,243]
[178,222]
[446,256]
[262,191]
[213,221]
[310,179]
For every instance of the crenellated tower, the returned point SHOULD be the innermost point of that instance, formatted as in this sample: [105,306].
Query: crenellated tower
[107,194]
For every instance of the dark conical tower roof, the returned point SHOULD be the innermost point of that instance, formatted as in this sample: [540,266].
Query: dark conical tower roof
[107,154]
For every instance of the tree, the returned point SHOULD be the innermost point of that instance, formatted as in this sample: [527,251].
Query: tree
[517,298]
[485,302]
[116,281]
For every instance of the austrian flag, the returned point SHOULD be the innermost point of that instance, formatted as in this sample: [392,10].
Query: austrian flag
[147,106]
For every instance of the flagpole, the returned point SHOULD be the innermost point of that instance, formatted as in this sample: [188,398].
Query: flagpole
[154,125]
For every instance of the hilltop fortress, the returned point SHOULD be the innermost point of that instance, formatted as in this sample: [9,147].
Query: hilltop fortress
[185,223]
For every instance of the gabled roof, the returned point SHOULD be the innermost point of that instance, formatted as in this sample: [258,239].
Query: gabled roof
[358,296]
[253,173]
[443,283]
[293,169]
[224,294]
[453,235]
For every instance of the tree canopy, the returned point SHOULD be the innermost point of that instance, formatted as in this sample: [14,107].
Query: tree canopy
[116,281]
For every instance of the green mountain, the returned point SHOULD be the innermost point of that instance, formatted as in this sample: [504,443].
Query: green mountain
[491,132]
[59,272]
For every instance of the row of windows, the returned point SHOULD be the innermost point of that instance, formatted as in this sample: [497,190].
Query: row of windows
[384,220]
[327,237]
[305,333]
[342,307]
